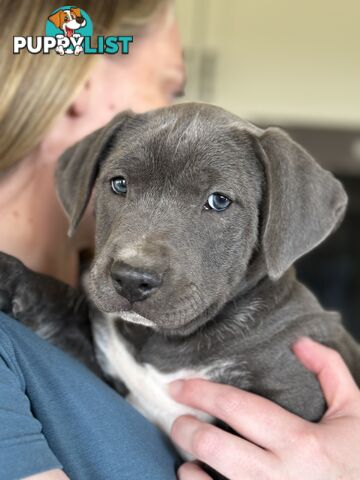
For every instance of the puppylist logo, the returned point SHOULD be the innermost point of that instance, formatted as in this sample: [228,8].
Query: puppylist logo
[69,31]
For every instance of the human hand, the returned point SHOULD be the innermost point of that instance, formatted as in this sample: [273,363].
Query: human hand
[277,444]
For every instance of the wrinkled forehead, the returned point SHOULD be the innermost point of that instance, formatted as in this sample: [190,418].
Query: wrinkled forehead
[194,153]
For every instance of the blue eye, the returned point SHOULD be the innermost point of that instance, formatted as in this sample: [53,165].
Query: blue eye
[217,202]
[118,185]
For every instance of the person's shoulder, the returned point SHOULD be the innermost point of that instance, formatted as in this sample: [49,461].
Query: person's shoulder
[8,357]
[13,332]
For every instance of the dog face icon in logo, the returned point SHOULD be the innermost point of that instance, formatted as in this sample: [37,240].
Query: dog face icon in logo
[69,20]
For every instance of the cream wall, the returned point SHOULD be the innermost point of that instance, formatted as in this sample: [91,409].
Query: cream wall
[284,61]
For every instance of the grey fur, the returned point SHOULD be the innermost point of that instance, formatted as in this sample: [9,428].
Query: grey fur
[229,292]
[229,301]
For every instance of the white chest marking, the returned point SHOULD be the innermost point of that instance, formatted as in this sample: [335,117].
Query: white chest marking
[147,385]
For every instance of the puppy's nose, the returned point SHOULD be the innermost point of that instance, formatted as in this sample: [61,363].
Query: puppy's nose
[133,283]
[80,19]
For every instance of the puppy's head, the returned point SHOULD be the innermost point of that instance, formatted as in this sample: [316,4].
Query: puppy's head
[68,20]
[187,198]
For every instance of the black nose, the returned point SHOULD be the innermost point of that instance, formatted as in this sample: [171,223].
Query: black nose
[132,283]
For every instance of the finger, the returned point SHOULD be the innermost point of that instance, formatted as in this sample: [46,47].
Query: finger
[334,376]
[226,453]
[253,417]
[191,471]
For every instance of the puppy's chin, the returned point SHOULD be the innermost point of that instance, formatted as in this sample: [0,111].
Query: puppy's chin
[162,324]
[189,327]
[182,330]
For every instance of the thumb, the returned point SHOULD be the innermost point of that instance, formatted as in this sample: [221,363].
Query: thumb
[337,383]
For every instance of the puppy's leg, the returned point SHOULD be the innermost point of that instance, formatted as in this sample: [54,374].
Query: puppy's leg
[54,310]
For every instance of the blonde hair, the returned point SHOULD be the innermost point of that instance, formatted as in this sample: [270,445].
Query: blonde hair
[37,88]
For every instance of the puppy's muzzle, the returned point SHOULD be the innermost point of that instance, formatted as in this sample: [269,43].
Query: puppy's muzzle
[135,284]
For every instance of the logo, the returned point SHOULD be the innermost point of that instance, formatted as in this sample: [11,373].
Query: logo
[69,31]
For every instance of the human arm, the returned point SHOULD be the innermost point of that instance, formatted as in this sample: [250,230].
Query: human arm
[24,449]
[274,443]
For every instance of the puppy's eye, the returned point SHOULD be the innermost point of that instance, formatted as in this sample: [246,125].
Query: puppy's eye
[217,202]
[118,185]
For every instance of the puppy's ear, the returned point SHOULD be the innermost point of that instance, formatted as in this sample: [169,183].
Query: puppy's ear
[76,11]
[79,165]
[304,203]
[56,18]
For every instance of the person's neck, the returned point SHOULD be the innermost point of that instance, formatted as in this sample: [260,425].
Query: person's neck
[32,224]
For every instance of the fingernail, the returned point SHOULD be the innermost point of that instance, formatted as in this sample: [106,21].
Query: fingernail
[302,348]
[183,430]
[303,340]
[175,387]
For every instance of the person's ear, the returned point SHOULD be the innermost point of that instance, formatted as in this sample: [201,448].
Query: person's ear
[304,203]
[78,167]
[80,104]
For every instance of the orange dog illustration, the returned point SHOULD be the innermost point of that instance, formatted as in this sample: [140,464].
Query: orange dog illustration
[68,20]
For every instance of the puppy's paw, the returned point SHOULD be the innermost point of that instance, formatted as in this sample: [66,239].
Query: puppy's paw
[12,273]
[9,266]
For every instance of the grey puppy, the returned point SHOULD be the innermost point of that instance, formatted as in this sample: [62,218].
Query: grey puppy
[199,218]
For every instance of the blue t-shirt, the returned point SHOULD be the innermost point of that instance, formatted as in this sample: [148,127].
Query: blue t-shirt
[54,413]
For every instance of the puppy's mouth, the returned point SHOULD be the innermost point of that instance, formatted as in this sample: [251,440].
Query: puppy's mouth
[69,31]
[181,330]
